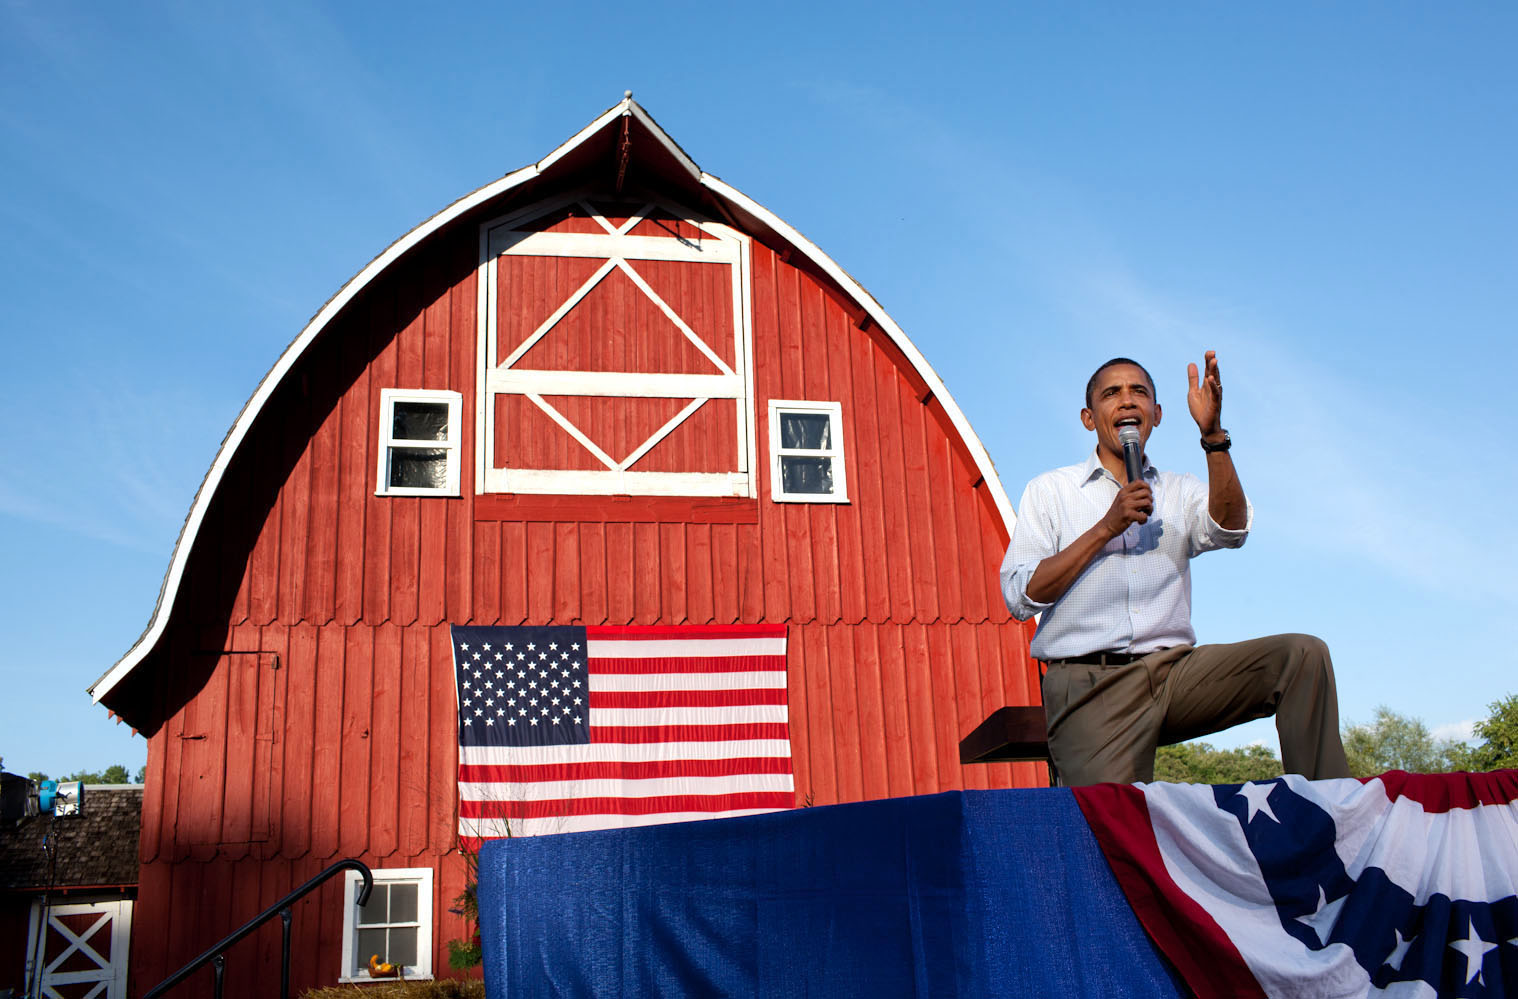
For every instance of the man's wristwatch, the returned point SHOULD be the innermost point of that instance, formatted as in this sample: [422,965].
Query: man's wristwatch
[1222,445]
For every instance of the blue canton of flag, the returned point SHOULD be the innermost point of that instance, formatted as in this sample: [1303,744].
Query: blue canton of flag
[529,690]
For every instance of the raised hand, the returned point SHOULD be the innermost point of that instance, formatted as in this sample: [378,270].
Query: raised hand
[1205,398]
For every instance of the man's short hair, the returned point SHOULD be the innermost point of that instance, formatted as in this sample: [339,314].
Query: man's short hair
[1091,382]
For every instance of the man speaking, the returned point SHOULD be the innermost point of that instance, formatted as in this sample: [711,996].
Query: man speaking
[1105,557]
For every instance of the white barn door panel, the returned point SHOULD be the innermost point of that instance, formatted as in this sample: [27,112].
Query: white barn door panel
[79,949]
[615,354]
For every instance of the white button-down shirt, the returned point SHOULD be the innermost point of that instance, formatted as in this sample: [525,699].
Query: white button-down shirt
[1135,596]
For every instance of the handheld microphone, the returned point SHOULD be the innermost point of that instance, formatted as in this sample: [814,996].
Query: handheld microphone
[1133,455]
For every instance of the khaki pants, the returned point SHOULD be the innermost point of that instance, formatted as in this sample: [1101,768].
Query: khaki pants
[1105,721]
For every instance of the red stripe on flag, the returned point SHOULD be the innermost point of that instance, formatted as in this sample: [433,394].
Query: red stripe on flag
[1204,955]
[1447,792]
[685,698]
[562,807]
[689,664]
[489,773]
[688,733]
[662,632]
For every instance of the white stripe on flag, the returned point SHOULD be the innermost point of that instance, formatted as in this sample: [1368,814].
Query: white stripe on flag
[494,828]
[653,787]
[735,714]
[618,752]
[1487,875]
[683,648]
[767,680]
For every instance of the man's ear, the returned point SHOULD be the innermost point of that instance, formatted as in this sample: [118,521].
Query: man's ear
[1088,419]
[1158,412]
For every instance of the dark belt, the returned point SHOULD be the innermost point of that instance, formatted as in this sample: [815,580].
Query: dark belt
[1101,659]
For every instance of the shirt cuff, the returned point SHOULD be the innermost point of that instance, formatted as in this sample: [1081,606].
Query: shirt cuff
[1223,537]
[1014,590]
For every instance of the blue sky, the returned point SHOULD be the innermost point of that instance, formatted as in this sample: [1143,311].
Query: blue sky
[1324,194]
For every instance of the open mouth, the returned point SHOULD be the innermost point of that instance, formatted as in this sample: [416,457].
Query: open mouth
[1127,421]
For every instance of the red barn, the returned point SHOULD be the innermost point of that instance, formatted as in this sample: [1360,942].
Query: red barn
[606,389]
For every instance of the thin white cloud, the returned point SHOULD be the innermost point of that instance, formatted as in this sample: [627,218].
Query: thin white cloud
[1348,469]
[49,508]
[1461,731]
[121,465]
[1406,493]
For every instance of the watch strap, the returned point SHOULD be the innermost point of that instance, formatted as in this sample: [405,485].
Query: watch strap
[1222,445]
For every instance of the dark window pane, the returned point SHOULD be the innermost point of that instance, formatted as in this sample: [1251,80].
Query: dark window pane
[806,430]
[421,468]
[806,475]
[377,908]
[403,903]
[403,946]
[420,421]
[367,944]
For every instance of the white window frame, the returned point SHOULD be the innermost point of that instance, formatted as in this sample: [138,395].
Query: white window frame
[388,443]
[422,878]
[834,413]
[732,384]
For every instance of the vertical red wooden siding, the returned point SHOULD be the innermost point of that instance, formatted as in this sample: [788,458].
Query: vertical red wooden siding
[305,693]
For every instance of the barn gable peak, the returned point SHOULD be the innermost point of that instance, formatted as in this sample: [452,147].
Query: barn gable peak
[621,149]
[622,145]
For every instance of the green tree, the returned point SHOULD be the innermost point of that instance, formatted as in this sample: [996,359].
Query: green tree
[87,777]
[1201,763]
[1397,742]
[1499,738]
[115,774]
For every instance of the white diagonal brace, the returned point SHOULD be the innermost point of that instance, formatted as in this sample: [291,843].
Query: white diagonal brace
[77,941]
[601,219]
[637,216]
[660,434]
[573,430]
[690,334]
[560,312]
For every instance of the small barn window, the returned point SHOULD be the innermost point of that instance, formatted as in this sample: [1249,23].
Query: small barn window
[395,928]
[806,449]
[419,442]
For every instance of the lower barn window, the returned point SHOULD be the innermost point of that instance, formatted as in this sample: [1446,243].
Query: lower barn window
[391,936]
[806,449]
[419,442]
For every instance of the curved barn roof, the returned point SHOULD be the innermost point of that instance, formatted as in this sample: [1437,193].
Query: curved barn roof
[625,125]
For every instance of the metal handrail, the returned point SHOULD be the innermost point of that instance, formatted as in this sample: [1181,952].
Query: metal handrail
[216,955]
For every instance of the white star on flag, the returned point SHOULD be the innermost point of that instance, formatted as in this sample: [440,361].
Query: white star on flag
[1258,798]
[1322,919]
[1400,951]
[1475,950]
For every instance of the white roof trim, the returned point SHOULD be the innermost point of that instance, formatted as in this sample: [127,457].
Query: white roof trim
[250,411]
[186,542]
[674,150]
[878,314]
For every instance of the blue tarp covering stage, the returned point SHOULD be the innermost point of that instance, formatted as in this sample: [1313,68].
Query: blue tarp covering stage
[976,893]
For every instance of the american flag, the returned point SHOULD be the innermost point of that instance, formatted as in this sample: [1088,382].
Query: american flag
[1402,885]
[568,728]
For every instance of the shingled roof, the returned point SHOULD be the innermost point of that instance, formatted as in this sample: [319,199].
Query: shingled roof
[97,848]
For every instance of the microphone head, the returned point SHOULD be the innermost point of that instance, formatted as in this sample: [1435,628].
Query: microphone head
[1128,435]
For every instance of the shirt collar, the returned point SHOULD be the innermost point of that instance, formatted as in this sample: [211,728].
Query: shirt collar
[1093,468]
